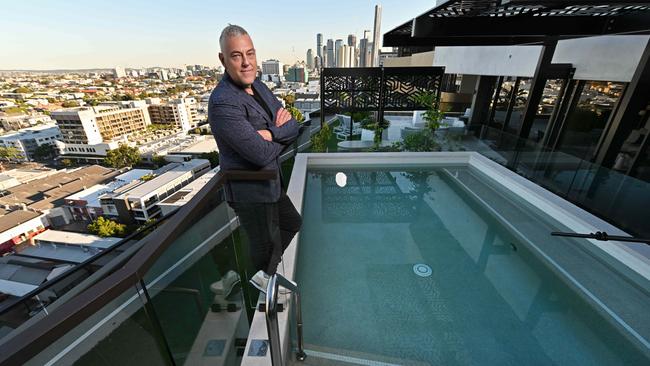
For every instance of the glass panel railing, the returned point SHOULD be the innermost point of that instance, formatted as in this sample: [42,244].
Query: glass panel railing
[179,295]
[611,195]
[120,333]
[195,288]
[617,198]
[19,311]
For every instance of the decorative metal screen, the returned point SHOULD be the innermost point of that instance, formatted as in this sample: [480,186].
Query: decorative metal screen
[377,88]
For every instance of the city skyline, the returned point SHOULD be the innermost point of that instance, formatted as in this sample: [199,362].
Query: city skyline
[172,36]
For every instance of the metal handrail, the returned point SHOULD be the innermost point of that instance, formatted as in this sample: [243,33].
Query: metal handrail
[271,312]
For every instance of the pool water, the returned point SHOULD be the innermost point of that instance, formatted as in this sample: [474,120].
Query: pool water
[404,267]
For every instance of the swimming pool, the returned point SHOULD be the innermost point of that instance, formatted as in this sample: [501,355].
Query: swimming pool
[448,260]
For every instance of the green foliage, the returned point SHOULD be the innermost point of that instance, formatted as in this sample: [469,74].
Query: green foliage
[123,156]
[319,140]
[160,126]
[44,151]
[15,110]
[420,141]
[147,177]
[66,162]
[105,227]
[158,160]
[371,124]
[91,101]
[10,153]
[23,89]
[212,156]
[360,116]
[178,89]
[289,100]
[432,114]
[123,97]
[296,114]
[70,104]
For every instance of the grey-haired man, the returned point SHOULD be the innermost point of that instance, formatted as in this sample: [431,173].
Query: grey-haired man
[251,129]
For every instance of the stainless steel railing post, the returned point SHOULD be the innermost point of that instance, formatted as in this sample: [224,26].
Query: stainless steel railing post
[272,318]
[272,321]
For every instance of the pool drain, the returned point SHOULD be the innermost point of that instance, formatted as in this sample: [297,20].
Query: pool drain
[422,270]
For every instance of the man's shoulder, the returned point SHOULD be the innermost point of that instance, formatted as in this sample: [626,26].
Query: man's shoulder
[222,94]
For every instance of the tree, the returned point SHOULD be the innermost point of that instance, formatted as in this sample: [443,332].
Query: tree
[289,99]
[10,153]
[147,177]
[23,89]
[123,156]
[44,151]
[212,156]
[66,162]
[105,227]
[70,104]
[432,114]
[158,160]
[296,114]
[320,139]
[421,141]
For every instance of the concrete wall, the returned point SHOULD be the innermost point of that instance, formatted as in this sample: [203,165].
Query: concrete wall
[417,59]
[607,58]
[493,60]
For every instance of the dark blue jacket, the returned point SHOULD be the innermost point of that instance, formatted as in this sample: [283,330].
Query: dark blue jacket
[235,117]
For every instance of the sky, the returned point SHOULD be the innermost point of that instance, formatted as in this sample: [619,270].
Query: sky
[73,34]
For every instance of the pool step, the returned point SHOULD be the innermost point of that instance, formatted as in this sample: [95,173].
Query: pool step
[322,356]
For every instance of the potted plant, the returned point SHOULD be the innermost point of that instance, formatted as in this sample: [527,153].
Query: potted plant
[432,115]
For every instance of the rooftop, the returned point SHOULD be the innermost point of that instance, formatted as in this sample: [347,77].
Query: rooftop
[156,183]
[71,238]
[11,219]
[45,193]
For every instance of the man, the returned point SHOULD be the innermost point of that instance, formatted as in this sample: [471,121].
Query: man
[251,129]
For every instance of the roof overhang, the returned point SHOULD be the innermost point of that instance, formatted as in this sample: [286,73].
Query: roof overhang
[493,22]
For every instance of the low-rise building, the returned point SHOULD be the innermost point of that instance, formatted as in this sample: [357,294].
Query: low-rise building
[139,202]
[47,194]
[18,226]
[86,206]
[185,194]
[27,140]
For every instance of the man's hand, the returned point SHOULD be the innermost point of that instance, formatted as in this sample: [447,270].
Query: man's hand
[266,135]
[283,116]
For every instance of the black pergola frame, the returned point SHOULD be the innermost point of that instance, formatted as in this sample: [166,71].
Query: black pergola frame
[518,22]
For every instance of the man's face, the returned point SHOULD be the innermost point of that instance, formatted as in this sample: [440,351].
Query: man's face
[239,59]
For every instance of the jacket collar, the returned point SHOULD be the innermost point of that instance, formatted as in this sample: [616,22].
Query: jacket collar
[248,99]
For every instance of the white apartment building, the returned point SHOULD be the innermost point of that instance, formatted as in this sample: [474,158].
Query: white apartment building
[90,133]
[27,140]
[180,112]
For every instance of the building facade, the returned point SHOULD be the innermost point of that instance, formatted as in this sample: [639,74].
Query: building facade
[94,131]
[27,140]
[181,113]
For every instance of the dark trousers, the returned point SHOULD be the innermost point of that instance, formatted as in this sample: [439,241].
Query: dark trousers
[269,228]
